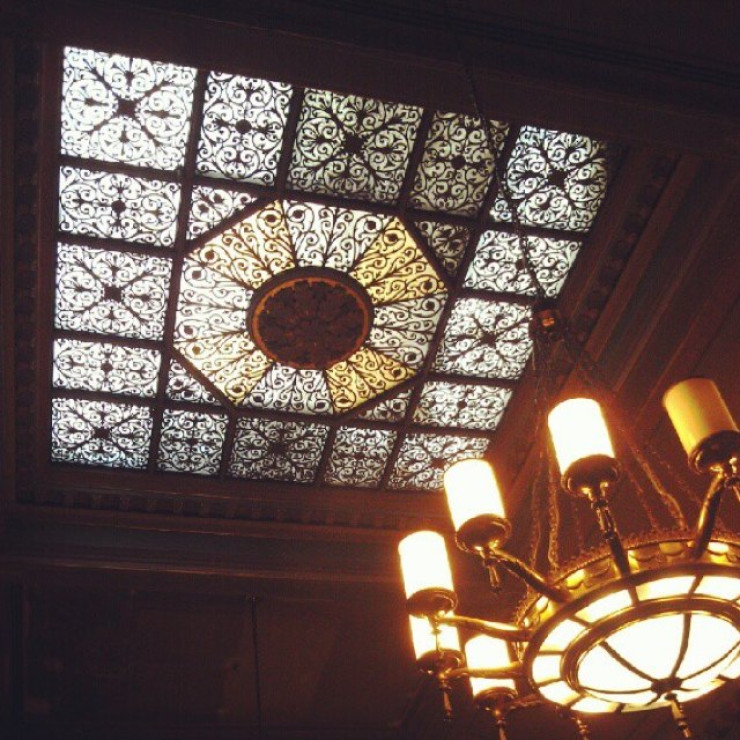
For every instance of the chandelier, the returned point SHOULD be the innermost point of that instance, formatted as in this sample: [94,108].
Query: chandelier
[639,623]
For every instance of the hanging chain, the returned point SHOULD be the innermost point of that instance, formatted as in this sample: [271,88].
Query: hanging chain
[586,367]
[500,179]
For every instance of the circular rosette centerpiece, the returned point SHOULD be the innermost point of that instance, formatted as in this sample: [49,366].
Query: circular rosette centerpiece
[307,308]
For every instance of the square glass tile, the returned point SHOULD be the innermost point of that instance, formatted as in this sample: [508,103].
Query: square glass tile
[352,146]
[555,180]
[424,458]
[458,405]
[191,442]
[115,206]
[125,109]
[241,136]
[107,292]
[105,368]
[210,206]
[488,339]
[116,435]
[277,450]
[457,165]
[359,456]
[499,264]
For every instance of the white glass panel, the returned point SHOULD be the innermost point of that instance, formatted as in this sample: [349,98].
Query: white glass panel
[605,607]
[665,587]
[546,668]
[652,645]
[599,670]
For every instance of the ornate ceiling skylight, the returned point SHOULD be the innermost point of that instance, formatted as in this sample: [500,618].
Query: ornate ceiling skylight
[301,285]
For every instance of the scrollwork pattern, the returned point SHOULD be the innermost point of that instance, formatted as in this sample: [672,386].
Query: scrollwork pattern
[423,459]
[124,109]
[457,166]
[554,179]
[487,339]
[243,124]
[327,236]
[352,146]
[395,269]
[210,206]
[182,386]
[277,450]
[363,375]
[191,442]
[390,409]
[466,406]
[404,330]
[116,206]
[105,368]
[111,292]
[448,241]
[359,456]
[498,263]
[285,388]
[251,252]
[100,433]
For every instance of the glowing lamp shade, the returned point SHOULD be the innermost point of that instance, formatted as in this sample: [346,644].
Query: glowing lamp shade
[578,432]
[483,651]
[472,491]
[697,412]
[424,563]
[426,641]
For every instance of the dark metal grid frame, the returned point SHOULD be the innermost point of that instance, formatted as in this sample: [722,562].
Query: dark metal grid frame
[476,225]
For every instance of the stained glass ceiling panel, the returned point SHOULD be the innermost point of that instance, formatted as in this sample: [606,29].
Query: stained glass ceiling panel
[301,285]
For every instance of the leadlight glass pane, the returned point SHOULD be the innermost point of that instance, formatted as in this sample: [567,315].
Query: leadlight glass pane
[391,409]
[277,450]
[100,433]
[352,146]
[125,109]
[395,269]
[404,330]
[554,179]
[108,292]
[210,206]
[359,456]
[458,405]
[457,166]
[191,442]
[284,388]
[243,125]
[327,236]
[363,376]
[105,368]
[448,242]
[182,386]
[116,206]
[424,458]
[499,264]
[252,251]
[487,339]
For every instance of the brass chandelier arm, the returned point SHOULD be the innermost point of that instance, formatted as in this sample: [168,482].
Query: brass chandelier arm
[501,630]
[512,671]
[494,557]
[708,514]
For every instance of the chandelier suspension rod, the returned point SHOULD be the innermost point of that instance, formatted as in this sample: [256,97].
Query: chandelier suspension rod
[498,177]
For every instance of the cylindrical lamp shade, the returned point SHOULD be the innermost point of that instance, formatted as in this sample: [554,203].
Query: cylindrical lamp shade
[424,563]
[697,412]
[578,432]
[425,640]
[483,651]
[472,491]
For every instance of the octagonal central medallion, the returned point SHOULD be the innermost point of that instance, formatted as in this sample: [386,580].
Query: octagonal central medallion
[307,308]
